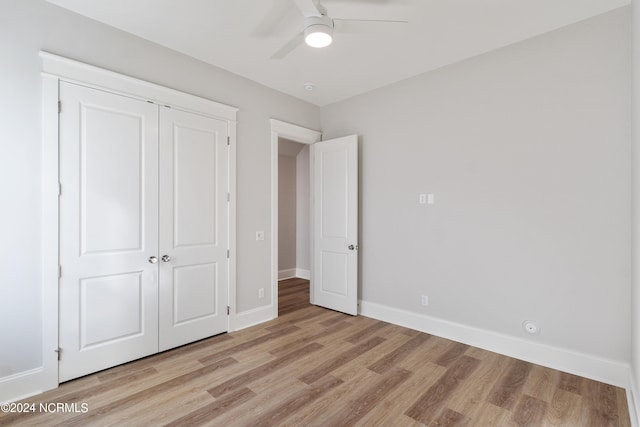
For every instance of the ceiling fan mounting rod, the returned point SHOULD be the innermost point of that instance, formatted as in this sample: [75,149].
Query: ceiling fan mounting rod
[318,20]
[321,8]
[311,8]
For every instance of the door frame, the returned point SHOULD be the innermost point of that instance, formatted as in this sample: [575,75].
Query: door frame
[302,135]
[54,70]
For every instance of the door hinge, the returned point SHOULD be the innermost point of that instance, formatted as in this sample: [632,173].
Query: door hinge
[59,351]
[228,197]
[59,272]
[59,189]
[228,140]
[228,310]
[228,254]
[59,107]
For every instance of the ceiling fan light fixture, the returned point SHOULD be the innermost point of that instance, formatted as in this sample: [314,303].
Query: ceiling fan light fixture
[318,35]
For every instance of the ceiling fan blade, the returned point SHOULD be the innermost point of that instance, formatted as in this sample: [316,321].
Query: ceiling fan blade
[288,47]
[310,7]
[368,26]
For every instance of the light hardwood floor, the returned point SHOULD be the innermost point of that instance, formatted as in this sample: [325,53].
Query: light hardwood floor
[317,367]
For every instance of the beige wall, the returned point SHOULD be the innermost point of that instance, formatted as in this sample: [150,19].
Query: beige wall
[303,209]
[527,151]
[286,212]
[293,206]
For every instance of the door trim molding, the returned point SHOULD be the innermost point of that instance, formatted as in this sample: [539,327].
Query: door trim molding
[78,72]
[280,129]
[54,70]
[50,230]
[231,292]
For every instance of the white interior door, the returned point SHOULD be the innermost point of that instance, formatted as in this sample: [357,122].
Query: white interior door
[108,230]
[335,224]
[194,219]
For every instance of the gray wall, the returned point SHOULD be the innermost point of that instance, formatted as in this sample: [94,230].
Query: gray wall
[527,152]
[26,26]
[286,212]
[303,209]
[635,196]
[293,205]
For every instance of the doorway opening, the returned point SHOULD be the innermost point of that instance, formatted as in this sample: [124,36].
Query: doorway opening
[294,134]
[293,295]
[294,219]
[334,217]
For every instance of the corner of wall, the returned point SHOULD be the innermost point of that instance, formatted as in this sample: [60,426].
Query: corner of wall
[286,274]
[25,384]
[252,317]
[632,401]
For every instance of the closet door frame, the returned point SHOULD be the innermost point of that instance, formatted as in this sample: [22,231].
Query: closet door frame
[55,70]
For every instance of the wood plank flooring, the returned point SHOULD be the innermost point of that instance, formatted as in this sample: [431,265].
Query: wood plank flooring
[317,367]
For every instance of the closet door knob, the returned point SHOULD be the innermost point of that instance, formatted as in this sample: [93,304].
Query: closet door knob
[153,259]
[166,258]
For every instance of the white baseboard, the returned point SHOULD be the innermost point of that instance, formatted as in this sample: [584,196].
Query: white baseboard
[252,317]
[593,367]
[286,274]
[632,402]
[303,274]
[294,272]
[24,384]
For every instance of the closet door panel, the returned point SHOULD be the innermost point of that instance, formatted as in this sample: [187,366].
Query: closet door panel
[193,227]
[108,230]
[195,186]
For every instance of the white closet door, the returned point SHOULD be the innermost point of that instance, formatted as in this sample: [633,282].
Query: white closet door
[108,230]
[194,269]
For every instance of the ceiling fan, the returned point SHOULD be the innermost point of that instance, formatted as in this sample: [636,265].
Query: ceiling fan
[319,27]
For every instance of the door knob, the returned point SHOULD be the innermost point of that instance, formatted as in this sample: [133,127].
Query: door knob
[353,247]
[153,259]
[166,258]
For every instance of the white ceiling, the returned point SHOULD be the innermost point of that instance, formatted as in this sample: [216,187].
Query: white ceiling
[241,35]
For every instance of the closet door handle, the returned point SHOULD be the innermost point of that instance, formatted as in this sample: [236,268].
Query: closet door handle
[153,259]
[166,258]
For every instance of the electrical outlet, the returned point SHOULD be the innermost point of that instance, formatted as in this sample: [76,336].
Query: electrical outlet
[424,300]
[261,293]
[259,235]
